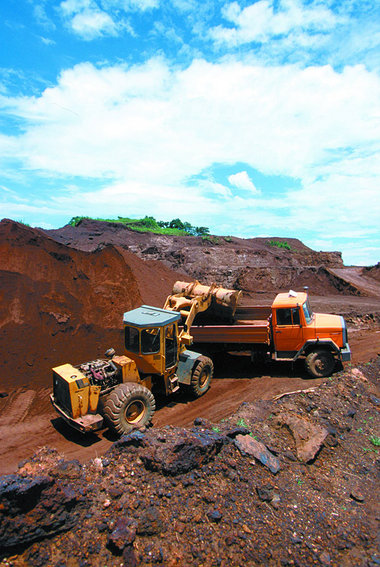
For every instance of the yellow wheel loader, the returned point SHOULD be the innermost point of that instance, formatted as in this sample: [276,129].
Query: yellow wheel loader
[120,390]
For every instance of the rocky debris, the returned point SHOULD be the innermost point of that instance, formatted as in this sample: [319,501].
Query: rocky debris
[179,452]
[220,507]
[249,446]
[309,437]
[33,508]
[124,534]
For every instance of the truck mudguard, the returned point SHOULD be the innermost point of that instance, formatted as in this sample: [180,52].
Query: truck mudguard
[311,344]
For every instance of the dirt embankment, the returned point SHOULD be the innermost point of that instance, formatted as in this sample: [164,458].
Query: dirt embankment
[59,304]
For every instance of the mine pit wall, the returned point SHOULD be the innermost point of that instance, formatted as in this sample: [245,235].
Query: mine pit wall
[320,280]
[231,262]
[57,304]
[62,304]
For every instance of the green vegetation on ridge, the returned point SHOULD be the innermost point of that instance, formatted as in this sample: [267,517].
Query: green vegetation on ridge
[174,227]
[280,244]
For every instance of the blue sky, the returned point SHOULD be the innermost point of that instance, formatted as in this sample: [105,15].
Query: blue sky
[251,118]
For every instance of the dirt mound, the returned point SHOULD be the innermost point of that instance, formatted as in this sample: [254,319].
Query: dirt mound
[254,265]
[59,304]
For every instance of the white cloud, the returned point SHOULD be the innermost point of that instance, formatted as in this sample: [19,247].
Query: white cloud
[146,130]
[143,4]
[261,21]
[71,7]
[130,5]
[87,20]
[241,180]
[42,18]
[47,41]
[90,24]
[91,19]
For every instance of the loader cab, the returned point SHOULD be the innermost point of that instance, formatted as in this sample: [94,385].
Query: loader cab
[151,338]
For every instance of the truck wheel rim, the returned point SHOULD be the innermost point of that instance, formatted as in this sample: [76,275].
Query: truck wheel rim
[321,363]
[134,411]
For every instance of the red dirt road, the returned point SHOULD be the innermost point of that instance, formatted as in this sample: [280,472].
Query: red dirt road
[27,420]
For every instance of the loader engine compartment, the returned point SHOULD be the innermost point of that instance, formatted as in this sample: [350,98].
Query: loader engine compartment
[103,373]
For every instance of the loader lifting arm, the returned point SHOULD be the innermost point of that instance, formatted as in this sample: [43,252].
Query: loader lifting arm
[189,299]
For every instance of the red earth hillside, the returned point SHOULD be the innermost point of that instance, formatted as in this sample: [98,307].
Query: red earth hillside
[61,305]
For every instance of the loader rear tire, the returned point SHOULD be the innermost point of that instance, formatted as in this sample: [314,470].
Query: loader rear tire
[320,363]
[129,406]
[202,373]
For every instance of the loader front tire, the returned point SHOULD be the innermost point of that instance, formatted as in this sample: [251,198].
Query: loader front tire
[320,363]
[202,373]
[129,406]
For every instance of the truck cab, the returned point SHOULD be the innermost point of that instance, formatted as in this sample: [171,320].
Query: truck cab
[297,331]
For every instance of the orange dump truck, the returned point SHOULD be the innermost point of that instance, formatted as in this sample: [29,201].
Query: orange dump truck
[288,330]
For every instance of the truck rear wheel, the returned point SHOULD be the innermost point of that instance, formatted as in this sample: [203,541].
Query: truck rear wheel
[320,363]
[129,406]
[202,373]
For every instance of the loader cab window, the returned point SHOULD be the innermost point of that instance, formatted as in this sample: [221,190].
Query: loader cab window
[132,339]
[150,340]
[170,346]
[288,316]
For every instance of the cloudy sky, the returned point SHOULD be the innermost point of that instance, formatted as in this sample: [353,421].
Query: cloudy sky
[252,118]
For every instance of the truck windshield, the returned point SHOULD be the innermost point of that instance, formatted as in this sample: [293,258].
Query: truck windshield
[307,311]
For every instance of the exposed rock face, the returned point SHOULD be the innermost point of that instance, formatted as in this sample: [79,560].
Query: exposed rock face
[373,272]
[254,265]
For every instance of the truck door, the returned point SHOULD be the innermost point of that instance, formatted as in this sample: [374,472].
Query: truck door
[288,332]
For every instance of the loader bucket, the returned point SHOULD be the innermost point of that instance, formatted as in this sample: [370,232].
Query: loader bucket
[223,301]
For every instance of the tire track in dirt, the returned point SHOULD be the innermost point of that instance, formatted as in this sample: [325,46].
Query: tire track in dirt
[17,407]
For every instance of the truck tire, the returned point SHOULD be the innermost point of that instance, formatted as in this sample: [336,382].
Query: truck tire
[129,406]
[320,363]
[201,377]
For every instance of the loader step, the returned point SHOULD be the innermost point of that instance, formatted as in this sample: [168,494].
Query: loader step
[173,381]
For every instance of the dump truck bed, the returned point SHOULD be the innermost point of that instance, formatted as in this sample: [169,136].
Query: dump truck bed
[247,332]
[250,326]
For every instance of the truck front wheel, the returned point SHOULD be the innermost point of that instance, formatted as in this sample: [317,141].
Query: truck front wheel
[201,377]
[320,363]
[129,406]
